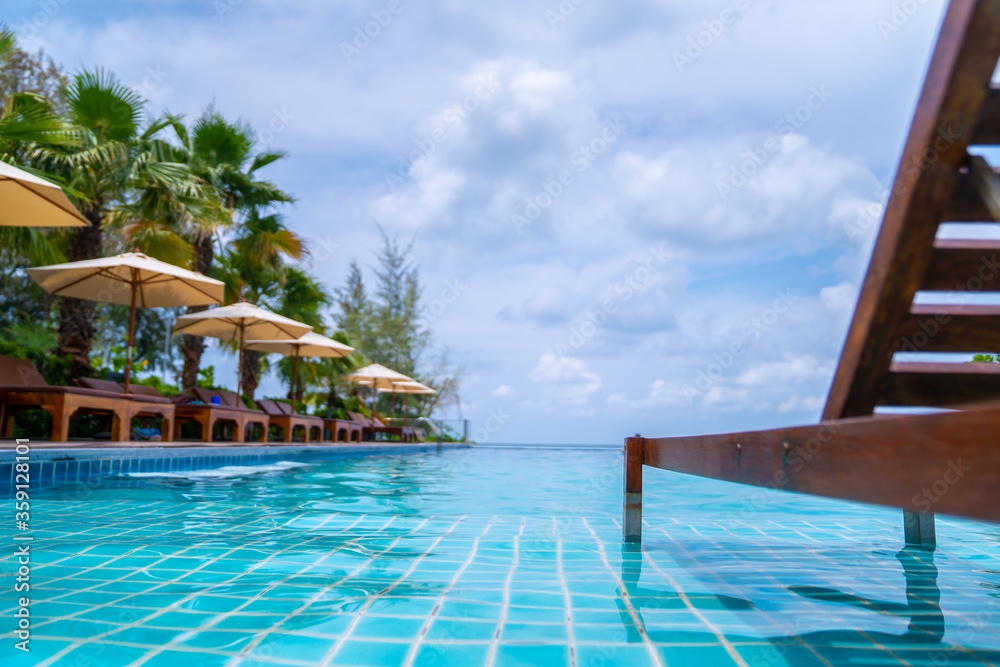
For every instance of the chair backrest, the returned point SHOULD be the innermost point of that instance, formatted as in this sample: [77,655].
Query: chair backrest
[286,408]
[204,395]
[143,390]
[16,372]
[101,385]
[230,399]
[269,407]
[359,418]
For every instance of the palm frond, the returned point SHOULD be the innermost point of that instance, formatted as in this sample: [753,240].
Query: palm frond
[99,102]
[32,244]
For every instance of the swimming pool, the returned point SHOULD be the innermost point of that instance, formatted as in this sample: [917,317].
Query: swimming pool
[490,556]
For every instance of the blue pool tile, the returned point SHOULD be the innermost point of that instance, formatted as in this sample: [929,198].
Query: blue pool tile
[372,654]
[625,656]
[532,655]
[533,632]
[454,630]
[469,610]
[254,622]
[451,655]
[39,650]
[102,655]
[218,640]
[385,627]
[293,647]
[174,658]
[695,655]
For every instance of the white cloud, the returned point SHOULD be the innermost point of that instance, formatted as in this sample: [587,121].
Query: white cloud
[794,369]
[565,379]
[839,299]
[656,183]
[503,390]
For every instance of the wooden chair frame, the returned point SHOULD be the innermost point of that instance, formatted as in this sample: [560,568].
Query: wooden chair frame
[947,462]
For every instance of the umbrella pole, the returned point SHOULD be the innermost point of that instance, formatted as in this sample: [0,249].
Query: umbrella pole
[131,336]
[239,371]
[295,376]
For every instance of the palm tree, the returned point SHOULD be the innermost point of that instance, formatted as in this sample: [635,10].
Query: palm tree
[27,119]
[303,299]
[254,269]
[116,169]
[222,153]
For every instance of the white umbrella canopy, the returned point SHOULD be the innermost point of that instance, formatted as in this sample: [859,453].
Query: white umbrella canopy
[377,376]
[412,387]
[130,279]
[241,322]
[310,345]
[29,201]
[153,283]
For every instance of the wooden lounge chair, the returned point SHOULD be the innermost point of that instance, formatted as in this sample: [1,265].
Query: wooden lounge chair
[142,402]
[341,430]
[947,462]
[283,416]
[373,430]
[22,388]
[229,412]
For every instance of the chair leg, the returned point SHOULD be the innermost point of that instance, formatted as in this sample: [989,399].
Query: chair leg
[919,530]
[60,425]
[632,510]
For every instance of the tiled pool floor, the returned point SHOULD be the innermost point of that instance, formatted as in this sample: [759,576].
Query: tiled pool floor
[243,581]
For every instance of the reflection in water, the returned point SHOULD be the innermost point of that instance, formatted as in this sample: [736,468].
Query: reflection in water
[922,643]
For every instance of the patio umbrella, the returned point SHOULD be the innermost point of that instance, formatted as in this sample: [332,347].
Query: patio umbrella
[409,387]
[310,345]
[30,201]
[377,377]
[131,279]
[241,322]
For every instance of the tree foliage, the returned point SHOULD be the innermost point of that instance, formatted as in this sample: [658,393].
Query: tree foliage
[190,194]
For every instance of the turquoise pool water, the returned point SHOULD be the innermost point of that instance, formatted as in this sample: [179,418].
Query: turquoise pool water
[492,556]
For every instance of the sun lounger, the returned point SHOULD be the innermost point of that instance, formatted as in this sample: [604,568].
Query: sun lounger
[234,418]
[22,388]
[341,430]
[283,416]
[948,462]
[373,430]
[142,402]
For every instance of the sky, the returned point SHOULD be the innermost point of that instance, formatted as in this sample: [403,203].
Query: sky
[629,217]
